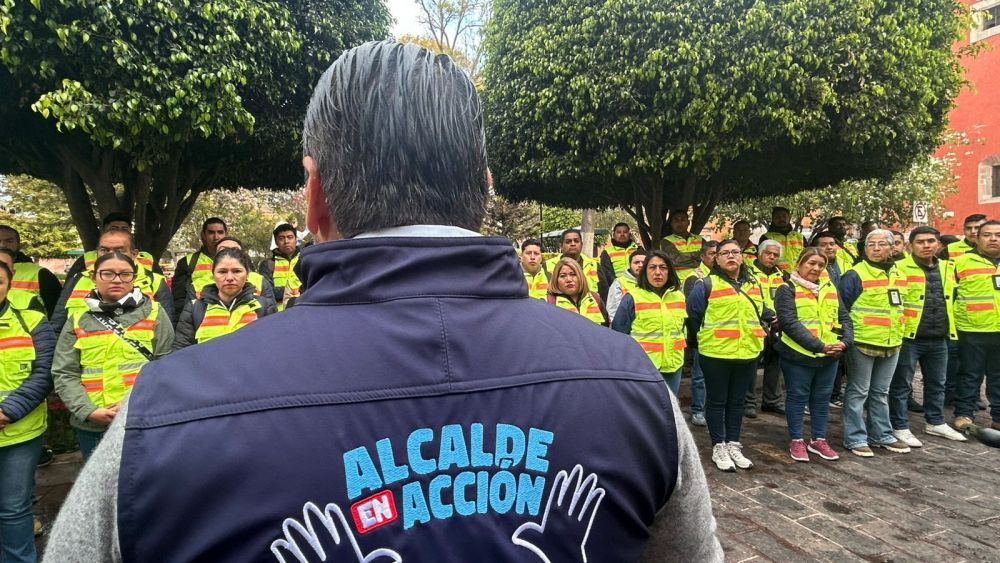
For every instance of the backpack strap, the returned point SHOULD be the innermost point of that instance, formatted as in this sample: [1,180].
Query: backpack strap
[600,304]
[197,313]
[20,319]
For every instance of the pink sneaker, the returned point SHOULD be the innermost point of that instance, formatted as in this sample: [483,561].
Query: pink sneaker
[821,448]
[797,449]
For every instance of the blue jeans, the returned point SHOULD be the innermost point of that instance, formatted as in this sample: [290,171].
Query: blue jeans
[807,385]
[932,356]
[88,441]
[673,380]
[697,386]
[17,484]
[951,381]
[726,383]
[979,357]
[868,385]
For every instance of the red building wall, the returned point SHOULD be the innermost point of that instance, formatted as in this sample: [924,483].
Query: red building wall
[977,116]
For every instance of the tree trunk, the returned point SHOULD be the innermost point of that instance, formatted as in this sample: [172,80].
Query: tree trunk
[587,228]
[79,206]
[158,201]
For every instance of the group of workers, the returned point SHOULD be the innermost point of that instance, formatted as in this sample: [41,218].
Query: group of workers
[88,338]
[821,315]
[813,314]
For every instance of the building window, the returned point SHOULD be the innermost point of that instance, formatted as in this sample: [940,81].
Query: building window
[989,20]
[989,179]
[994,18]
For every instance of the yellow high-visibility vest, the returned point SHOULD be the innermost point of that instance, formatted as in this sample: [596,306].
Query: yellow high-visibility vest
[26,278]
[978,301]
[685,245]
[17,356]
[877,321]
[818,314]
[219,321]
[200,271]
[769,283]
[731,329]
[620,256]
[959,248]
[659,327]
[792,246]
[538,284]
[110,365]
[588,307]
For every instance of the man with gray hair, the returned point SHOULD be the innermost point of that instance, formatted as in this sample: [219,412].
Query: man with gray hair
[421,424]
[765,269]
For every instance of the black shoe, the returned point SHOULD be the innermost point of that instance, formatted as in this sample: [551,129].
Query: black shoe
[47,456]
[913,406]
[750,412]
[776,409]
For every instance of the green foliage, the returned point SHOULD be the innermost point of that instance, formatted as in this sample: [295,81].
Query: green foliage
[514,220]
[165,98]
[652,105]
[250,214]
[35,208]
[890,202]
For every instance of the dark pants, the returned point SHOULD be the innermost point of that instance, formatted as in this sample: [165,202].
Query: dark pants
[726,383]
[88,442]
[932,356]
[979,357]
[837,393]
[772,394]
[951,380]
[807,385]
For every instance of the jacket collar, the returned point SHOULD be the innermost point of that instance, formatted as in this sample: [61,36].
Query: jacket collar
[210,293]
[369,270]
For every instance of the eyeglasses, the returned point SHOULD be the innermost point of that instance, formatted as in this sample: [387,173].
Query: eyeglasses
[108,275]
[880,244]
[731,253]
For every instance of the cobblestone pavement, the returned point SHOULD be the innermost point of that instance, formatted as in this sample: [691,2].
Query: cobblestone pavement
[938,503]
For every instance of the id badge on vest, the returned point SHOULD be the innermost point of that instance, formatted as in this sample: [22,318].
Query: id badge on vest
[996,282]
[895,299]
[773,291]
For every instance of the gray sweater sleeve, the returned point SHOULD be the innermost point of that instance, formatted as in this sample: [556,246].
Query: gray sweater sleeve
[87,526]
[684,529]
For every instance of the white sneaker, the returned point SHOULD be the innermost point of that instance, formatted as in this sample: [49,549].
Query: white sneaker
[736,454]
[720,455]
[945,431]
[908,438]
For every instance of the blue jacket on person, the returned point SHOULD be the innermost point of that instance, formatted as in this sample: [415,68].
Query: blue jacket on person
[414,405]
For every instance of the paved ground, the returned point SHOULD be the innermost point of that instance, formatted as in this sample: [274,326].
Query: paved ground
[940,503]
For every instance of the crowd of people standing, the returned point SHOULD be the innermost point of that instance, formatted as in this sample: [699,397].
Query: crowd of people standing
[843,323]
[815,316]
[88,339]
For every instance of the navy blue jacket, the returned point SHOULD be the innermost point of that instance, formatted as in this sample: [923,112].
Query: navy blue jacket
[415,400]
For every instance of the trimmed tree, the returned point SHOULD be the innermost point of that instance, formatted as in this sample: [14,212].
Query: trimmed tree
[142,106]
[652,105]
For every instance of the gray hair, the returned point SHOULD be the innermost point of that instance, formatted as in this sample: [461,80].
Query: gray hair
[397,135]
[883,233]
[764,244]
